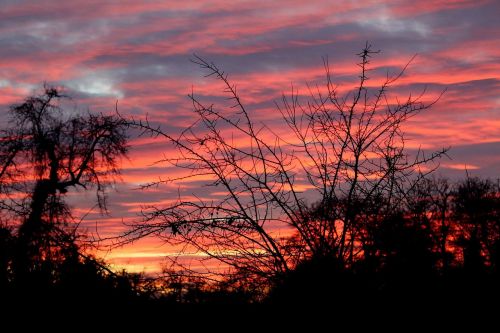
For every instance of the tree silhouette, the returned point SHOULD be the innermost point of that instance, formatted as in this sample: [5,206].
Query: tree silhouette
[6,246]
[348,149]
[44,152]
[476,209]
[430,202]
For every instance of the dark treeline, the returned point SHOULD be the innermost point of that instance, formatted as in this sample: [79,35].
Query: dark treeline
[443,246]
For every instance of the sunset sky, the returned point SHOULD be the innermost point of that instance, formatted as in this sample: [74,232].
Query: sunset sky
[137,52]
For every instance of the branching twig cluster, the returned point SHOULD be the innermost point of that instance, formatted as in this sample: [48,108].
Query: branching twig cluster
[348,149]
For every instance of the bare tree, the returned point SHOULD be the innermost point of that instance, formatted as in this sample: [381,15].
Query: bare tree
[44,152]
[349,150]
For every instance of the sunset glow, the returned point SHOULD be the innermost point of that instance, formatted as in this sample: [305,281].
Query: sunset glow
[138,53]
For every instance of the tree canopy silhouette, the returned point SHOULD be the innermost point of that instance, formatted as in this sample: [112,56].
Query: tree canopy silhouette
[44,152]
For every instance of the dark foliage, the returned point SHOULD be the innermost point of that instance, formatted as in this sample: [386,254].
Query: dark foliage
[404,266]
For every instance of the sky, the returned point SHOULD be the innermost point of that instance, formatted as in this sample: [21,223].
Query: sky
[138,53]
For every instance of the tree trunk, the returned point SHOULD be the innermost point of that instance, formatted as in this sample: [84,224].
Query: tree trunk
[34,233]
